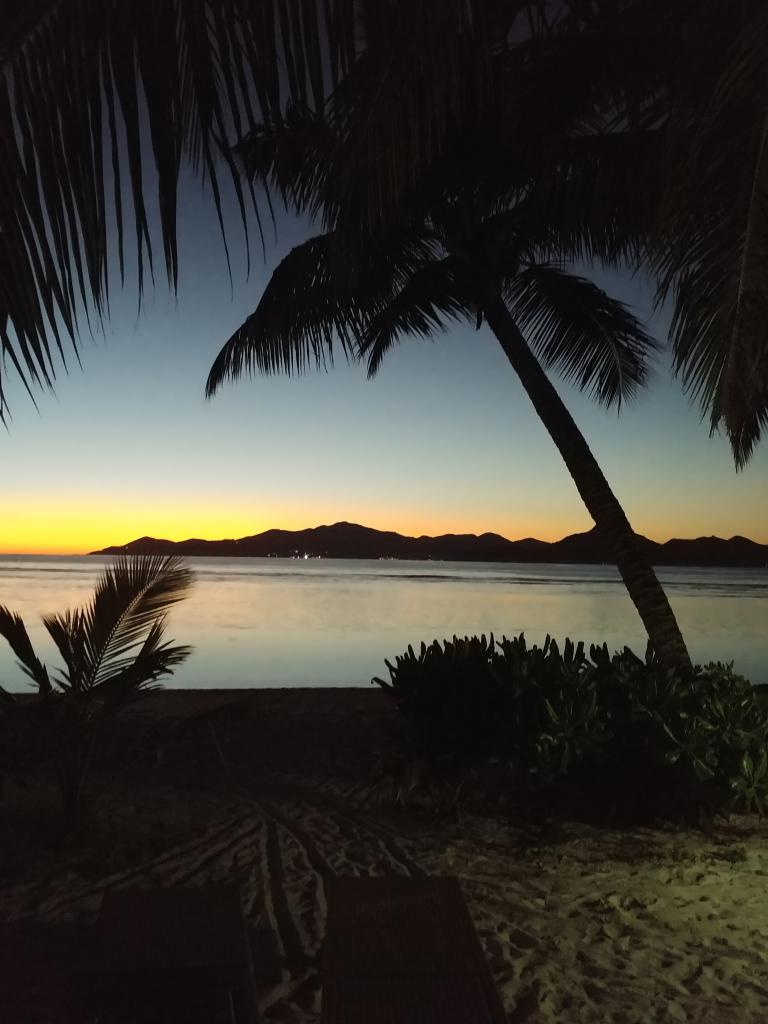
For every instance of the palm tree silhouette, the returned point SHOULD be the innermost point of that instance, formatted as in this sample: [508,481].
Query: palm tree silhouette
[463,251]
[113,652]
[103,104]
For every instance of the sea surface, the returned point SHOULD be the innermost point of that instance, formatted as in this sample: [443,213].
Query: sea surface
[332,622]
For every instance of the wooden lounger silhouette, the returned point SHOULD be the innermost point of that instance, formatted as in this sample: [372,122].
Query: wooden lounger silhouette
[404,951]
[169,955]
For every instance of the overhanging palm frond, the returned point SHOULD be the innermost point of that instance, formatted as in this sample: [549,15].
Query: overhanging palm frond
[130,597]
[593,198]
[592,340]
[291,154]
[313,165]
[719,336]
[103,101]
[712,245]
[13,629]
[424,68]
[93,95]
[430,297]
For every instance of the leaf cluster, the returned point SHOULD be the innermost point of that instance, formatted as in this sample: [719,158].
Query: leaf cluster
[113,650]
[614,729]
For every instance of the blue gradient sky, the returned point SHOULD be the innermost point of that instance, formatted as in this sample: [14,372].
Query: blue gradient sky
[443,440]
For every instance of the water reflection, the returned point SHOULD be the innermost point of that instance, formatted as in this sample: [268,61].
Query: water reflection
[278,622]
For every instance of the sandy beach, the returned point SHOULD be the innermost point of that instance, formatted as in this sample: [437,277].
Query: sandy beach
[577,923]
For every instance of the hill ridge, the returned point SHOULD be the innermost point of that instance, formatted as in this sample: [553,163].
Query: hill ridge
[352,540]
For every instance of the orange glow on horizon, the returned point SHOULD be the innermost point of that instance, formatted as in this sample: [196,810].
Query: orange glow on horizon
[76,527]
[65,535]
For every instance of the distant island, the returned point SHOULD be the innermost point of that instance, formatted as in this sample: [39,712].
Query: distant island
[348,540]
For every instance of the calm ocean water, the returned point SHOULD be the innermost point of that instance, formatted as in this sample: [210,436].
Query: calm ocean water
[284,622]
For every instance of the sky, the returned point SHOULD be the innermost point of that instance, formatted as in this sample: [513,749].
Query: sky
[443,440]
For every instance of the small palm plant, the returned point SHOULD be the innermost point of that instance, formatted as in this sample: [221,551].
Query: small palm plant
[113,652]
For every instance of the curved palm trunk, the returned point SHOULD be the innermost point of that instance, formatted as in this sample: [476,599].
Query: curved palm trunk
[640,579]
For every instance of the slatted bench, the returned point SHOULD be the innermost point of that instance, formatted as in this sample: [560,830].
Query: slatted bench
[404,951]
[173,955]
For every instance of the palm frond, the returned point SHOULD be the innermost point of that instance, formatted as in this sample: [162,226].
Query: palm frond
[78,78]
[306,306]
[294,153]
[711,249]
[99,642]
[324,293]
[13,629]
[102,102]
[429,298]
[8,702]
[424,68]
[66,631]
[593,197]
[592,340]
[719,336]
[154,660]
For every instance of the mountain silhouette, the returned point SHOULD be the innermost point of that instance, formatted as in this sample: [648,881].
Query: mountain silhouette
[350,540]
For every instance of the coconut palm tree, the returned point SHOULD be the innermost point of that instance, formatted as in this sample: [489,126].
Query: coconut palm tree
[103,102]
[463,251]
[113,653]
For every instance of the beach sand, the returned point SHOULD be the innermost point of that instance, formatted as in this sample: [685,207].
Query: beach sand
[577,923]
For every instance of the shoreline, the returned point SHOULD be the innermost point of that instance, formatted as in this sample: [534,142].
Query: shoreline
[603,926]
[571,560]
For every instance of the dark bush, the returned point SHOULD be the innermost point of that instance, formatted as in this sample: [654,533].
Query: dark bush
[616,730]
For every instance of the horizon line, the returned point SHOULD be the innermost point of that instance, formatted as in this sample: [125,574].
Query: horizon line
[528,537]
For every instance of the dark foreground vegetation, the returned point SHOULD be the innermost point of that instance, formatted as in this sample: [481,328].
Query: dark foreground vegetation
[273,791]
[610,736]
[113,652]
[530,730]
[538,734]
